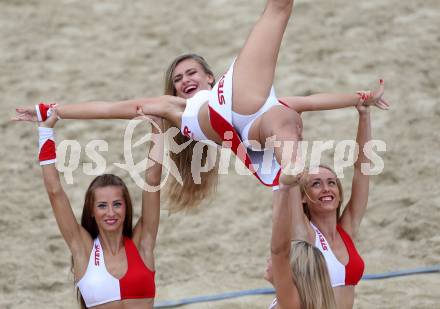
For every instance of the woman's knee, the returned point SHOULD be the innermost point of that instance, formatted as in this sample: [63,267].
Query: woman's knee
[286,131]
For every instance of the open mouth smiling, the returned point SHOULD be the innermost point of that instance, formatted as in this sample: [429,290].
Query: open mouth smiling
[326,198]
[111,221]
[189,89]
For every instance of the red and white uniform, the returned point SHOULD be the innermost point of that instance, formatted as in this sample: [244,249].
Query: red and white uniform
[232,127]
[340,274]
[98,286]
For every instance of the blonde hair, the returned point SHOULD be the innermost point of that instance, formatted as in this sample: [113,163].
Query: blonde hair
[190,194]
[311,277]
[303,187]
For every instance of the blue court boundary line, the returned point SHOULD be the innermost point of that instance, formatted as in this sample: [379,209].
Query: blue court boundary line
[265,291]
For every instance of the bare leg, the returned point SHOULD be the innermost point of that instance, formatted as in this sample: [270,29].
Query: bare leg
[285,126]
[255,66]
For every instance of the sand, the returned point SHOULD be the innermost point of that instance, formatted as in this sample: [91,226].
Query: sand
[71,51]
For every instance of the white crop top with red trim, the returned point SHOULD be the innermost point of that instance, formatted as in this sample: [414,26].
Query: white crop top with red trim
[98,286]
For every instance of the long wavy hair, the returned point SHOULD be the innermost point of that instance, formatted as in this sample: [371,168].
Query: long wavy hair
[88,221]
[311,276]
[189,194]
[303,188]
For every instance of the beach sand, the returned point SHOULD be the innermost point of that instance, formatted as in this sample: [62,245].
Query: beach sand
[70,51]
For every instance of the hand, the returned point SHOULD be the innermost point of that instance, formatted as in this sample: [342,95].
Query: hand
[290,177]
[368,98]
[287,181]
[27,113]
[157,120]
[52,120]
[362,109]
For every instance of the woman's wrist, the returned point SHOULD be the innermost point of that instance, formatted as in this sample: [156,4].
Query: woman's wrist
[364,112]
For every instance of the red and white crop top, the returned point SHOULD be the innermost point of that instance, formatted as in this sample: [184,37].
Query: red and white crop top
[98,286]
[340,274]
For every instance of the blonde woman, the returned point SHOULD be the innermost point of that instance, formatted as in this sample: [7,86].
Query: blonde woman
[322,222]
[241,107]
[296,268]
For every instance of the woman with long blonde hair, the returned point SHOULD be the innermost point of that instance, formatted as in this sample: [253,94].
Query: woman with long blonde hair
[324,223]
[241,109]
[296,268]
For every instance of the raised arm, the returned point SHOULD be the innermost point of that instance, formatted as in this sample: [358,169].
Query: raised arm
[146,229]
[357,205]
[327,101]
[77,239]
[158,106]
[285,200]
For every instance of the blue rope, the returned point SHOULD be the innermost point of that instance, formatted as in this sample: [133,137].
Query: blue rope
[400,273]
[265,291]
[214,297]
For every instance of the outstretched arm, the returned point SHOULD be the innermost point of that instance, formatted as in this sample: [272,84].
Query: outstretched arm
[78,240]
[159,106]
[327,101]
[146,229]
[286,199]
[357,205]
[110,110]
